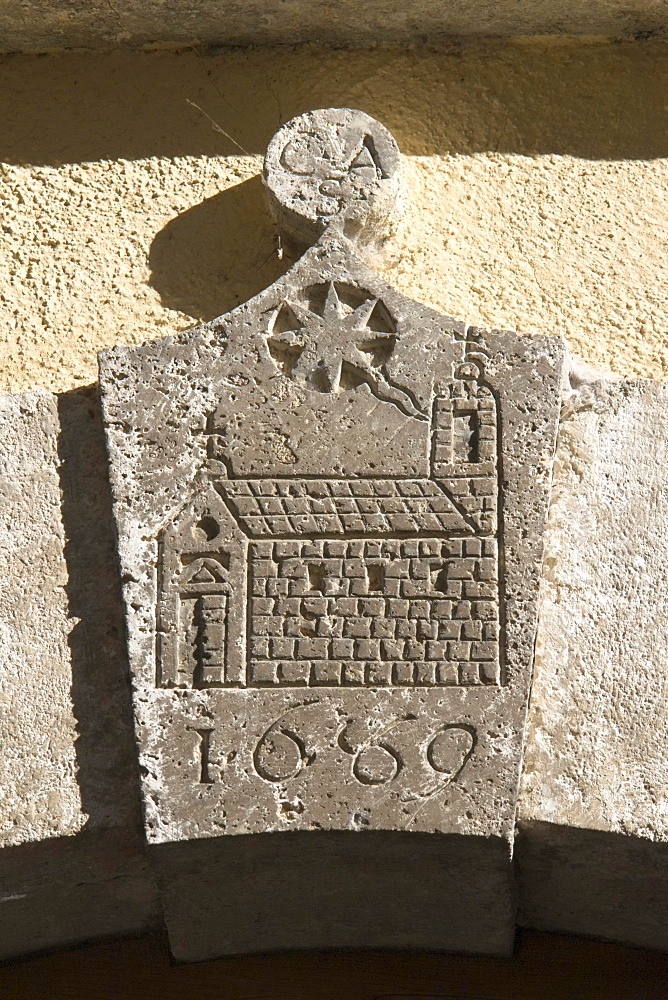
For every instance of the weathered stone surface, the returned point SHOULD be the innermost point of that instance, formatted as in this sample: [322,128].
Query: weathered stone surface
[72,865]
[594,801]
[45,25]
[330,506]
[39,790]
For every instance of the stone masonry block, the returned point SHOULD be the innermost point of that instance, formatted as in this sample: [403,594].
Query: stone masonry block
[72,861]
[425,674]
[447,673]
[357,628]
[267,22]
[294,672]
[469,673]
[264,672]
[449,629]
[326,672]
[353,673]
[383,628]
[367,649]
[593,810]
[403,672]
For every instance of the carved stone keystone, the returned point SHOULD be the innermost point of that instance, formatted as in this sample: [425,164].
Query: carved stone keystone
[330,506]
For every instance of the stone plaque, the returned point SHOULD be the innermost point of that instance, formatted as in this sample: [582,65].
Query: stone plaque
[330,505]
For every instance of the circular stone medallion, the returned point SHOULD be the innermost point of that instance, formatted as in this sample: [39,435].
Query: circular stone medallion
[332,164]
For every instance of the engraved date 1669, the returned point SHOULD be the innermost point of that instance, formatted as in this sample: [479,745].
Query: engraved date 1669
[282,752]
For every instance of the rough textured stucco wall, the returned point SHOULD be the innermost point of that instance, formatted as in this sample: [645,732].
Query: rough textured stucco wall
[535,191]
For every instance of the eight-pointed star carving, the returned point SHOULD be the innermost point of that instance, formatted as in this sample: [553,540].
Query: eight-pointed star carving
[335,350]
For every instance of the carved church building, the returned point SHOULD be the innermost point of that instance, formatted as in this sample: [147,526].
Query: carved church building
[311,581]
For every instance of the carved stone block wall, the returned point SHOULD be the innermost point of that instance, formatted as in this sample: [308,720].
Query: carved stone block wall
[73,864]
[373,612]
[593,811]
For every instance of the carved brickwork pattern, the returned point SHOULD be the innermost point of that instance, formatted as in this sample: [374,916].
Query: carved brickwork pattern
[399,612]
[464,447]
[202,558]
[347,581]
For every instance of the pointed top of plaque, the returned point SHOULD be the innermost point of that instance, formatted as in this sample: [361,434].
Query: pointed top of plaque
[335,170]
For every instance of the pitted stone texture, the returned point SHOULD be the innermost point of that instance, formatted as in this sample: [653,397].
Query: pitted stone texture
[71,862]
[310,494]
[40,795]
[43,26]
[594,801]
[334,164]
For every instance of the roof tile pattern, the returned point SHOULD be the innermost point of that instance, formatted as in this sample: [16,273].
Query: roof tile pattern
[291,507]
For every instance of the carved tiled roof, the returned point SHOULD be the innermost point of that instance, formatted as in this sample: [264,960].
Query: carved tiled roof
[289,507]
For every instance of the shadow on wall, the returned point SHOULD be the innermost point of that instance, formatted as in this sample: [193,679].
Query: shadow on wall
[97,883]
[592,882]
[105,748]
[239,260]
[65,890]
[596,101]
